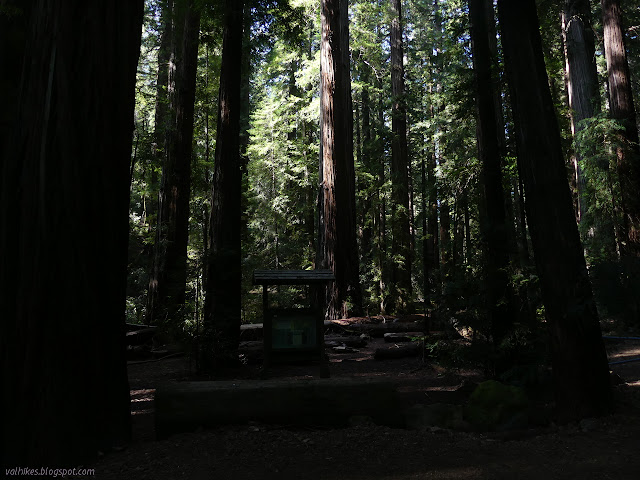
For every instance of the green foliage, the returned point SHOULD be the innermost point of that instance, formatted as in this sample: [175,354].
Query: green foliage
[596,142]
[283,152]
[281,148]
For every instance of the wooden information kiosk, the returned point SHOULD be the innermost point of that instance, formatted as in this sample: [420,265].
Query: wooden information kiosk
[294,334]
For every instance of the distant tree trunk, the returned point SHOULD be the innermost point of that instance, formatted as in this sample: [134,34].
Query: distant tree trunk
[580,367]
[496,67]
[621,108]
[162,119]
[458,232]
[429,226]
[222,308]
[381,214]
[494,230]
[338,247]
[400,300]
[367,219]
[168,280]
[582,77]
[439,149]
[64,188]
[245,125]
[445,234]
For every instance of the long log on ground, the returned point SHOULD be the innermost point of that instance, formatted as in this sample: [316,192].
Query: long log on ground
[138,326]
[402,337]
[253,331]
[138,337]
[186,406]
[378,329]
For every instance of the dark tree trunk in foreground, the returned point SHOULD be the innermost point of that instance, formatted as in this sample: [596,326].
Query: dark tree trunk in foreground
[580,367]
[621,108]
[64,188]
[219,347]
[582,78]
[495,239]
[338,248]
[401,241]
[168,280]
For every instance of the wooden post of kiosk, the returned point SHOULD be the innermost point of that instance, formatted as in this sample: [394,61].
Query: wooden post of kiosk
[294,334]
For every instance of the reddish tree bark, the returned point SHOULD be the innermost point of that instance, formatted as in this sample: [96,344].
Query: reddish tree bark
[338,248]
[400,300]
[579,360]
[168,280]
[621,108]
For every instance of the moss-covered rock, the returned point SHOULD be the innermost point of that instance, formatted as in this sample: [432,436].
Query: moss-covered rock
[496,406]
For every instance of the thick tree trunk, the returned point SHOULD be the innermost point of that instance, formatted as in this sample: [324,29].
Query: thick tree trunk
[63,234]
[494,230]
[168,280]
[338,248]
[580,367]
[621,108]
[581,77]
[222,309]
[496,88]
[400,226]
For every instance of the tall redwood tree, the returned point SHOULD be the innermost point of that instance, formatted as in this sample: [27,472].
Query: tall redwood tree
[579,360]
[621,108]
[401,242]
[582,78]
[168,278]
[64,188]
[494,228]
[221,336]
[338,248]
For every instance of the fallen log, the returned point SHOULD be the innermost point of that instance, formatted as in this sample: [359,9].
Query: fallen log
[379,329]
[140,337]
[138,326]
[186,406]
[402,337]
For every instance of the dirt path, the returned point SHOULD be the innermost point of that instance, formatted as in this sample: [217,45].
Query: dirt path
[595,449]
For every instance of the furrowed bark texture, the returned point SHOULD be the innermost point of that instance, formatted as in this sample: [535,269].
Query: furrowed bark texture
[223,300]
[621,108]
[582,78]
[169,275]
[401,241]
[495,236]
[580,367]
[338,248]
[64,233]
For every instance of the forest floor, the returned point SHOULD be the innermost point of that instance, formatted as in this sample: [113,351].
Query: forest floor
[604,448]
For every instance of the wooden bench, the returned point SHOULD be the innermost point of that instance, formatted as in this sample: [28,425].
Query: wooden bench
[294,334]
